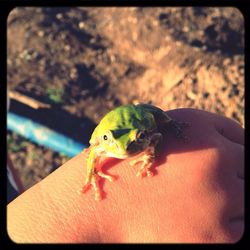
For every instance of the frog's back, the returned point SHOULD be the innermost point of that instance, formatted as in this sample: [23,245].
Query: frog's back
[126,116]
[159,115]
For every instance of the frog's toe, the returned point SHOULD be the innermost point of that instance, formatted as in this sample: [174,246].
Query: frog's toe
[131,163]
[145,172]
[85,187]
[112,178]
[98,196]
[149,173]
[134,162]
[139,174]
[106,176]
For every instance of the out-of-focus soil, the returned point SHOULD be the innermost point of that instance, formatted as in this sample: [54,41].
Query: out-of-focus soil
[100,58]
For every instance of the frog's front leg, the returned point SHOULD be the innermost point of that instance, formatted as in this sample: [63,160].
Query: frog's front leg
[148,156]
[93,174]
[91,178]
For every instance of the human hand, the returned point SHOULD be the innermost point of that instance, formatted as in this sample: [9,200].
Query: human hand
[196,195]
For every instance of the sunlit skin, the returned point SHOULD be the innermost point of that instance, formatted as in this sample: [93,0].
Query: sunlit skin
[195,195]
[124,132]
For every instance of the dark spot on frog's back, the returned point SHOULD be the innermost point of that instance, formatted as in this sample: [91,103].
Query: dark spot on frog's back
[128,118]
[119,132]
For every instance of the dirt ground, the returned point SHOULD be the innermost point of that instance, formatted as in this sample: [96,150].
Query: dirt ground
[86,61]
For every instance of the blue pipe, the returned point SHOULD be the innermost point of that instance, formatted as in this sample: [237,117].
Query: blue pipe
[43,135]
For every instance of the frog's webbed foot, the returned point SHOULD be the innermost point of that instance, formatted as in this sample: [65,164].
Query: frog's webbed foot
[178,129]
[93,180]
[147,160]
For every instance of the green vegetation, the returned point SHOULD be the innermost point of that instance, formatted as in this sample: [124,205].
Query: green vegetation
[55,94]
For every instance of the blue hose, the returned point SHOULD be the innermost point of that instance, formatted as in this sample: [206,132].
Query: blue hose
[43,135]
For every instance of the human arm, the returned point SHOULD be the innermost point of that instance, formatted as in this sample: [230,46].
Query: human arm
[195,196]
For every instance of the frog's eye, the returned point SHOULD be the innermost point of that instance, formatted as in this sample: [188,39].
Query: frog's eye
[107,137]
[141,135]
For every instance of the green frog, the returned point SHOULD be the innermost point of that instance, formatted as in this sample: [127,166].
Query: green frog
[124,132]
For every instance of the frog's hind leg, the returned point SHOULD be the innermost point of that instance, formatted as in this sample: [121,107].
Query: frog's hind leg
[148,157]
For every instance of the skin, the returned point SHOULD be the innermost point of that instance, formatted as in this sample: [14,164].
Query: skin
[124,132]
[195,195]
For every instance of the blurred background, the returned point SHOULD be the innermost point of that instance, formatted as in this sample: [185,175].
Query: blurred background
[67,67]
